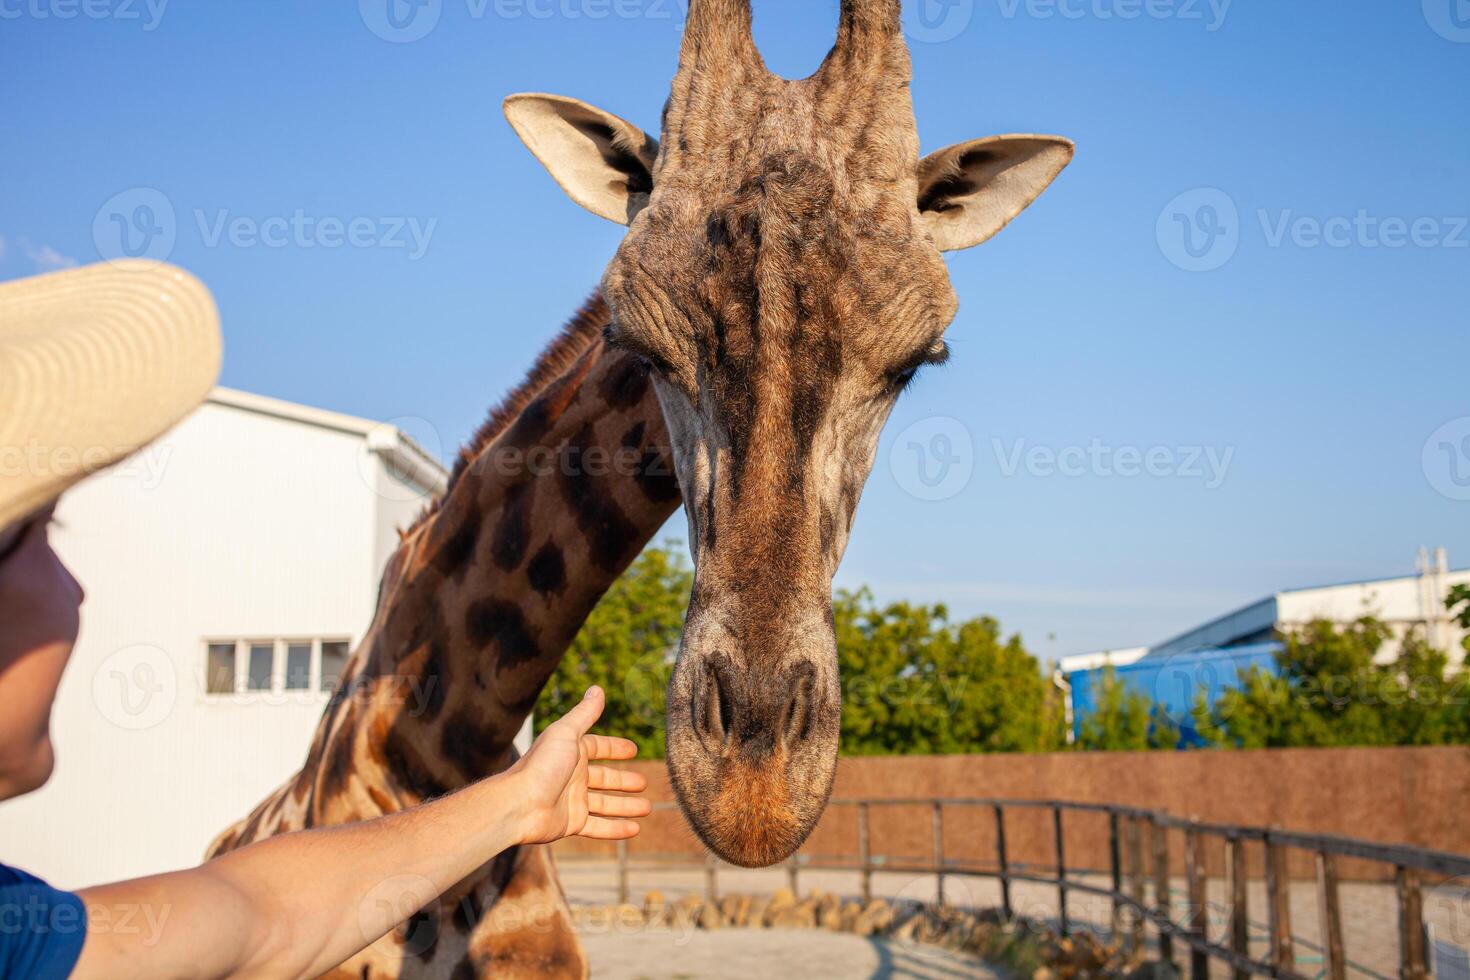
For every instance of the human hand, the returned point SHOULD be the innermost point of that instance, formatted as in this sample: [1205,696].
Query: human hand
[563,794]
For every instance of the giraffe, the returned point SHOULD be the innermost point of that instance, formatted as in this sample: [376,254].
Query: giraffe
[554,496]
[779,286]
[782,279]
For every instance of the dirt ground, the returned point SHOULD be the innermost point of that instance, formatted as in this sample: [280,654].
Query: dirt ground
[663,954]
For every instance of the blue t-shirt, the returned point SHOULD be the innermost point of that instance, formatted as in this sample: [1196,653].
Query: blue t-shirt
[41,929]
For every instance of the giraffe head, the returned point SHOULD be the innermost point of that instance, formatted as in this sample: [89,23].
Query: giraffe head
[781,277]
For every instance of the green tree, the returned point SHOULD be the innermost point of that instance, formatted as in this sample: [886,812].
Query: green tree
[1328,691]
[1460,596]
[1123,720]
[915,683]
[627,646]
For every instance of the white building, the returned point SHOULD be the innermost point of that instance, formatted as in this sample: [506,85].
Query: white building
[229,569]
[1403,603]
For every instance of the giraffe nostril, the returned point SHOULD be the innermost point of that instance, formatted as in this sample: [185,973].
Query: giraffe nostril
[714,715]
[798,714]
[727,709]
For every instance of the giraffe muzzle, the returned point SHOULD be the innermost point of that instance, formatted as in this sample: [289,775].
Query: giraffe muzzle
[752,746]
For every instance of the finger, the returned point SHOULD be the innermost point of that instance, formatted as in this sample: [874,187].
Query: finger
[601,828]
[608,747]
[618,806]
[587,711]
[619,780]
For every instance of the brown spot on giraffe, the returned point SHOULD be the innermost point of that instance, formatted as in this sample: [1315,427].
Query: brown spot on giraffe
[547,571]
[513,530]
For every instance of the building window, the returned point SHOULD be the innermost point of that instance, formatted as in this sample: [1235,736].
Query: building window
[262,666]
[334,660]
[298,666]
[219,669]
[277,666]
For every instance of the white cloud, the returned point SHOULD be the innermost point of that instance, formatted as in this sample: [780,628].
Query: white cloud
[46,258]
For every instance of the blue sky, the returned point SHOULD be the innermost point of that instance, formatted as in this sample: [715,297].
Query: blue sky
[1296,413]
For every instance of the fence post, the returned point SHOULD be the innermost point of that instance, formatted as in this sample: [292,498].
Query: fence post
[791,876]
[864,854]
[1195,869]
[1062,924]
[622,872]
[1411,926]
[1239,924]
[1336,966]
[1115,864]
[1005,871]
[1161,888]
[1278,901]
[1137,874]
[939,851]
[711,892]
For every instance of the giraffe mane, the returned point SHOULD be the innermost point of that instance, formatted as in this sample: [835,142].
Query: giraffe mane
[577,336]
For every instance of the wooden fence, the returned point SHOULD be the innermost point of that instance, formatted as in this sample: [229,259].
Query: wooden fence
[1145,848]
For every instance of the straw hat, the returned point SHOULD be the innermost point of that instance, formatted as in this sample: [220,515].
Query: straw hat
[95,363]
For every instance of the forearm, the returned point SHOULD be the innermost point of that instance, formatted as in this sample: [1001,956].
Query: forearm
[299,904]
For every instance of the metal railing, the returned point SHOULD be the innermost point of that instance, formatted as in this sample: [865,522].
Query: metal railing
[1139,873]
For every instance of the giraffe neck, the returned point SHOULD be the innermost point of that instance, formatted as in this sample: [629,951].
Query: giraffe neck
[487,591]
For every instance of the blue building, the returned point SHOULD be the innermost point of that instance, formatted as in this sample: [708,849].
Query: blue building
[1215,654]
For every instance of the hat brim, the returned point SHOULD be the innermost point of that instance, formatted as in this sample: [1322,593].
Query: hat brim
[95,363]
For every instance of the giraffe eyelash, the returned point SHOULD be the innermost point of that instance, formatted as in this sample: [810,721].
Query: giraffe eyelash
[616,340]
[901,378]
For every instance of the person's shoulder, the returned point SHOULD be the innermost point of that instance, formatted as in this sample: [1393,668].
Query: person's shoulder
[14,876]
[44,928]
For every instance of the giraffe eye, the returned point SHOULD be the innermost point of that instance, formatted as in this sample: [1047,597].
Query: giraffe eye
[902,376]
[618,340]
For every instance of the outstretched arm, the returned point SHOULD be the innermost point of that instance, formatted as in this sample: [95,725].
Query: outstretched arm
[299,904]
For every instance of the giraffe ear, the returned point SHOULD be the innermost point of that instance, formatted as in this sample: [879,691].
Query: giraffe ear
[970,191]
[603,163]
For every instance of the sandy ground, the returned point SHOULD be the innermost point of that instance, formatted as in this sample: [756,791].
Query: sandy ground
[662,954]
[1370,917]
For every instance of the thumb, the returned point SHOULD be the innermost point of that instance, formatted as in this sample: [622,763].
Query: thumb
[581,718]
